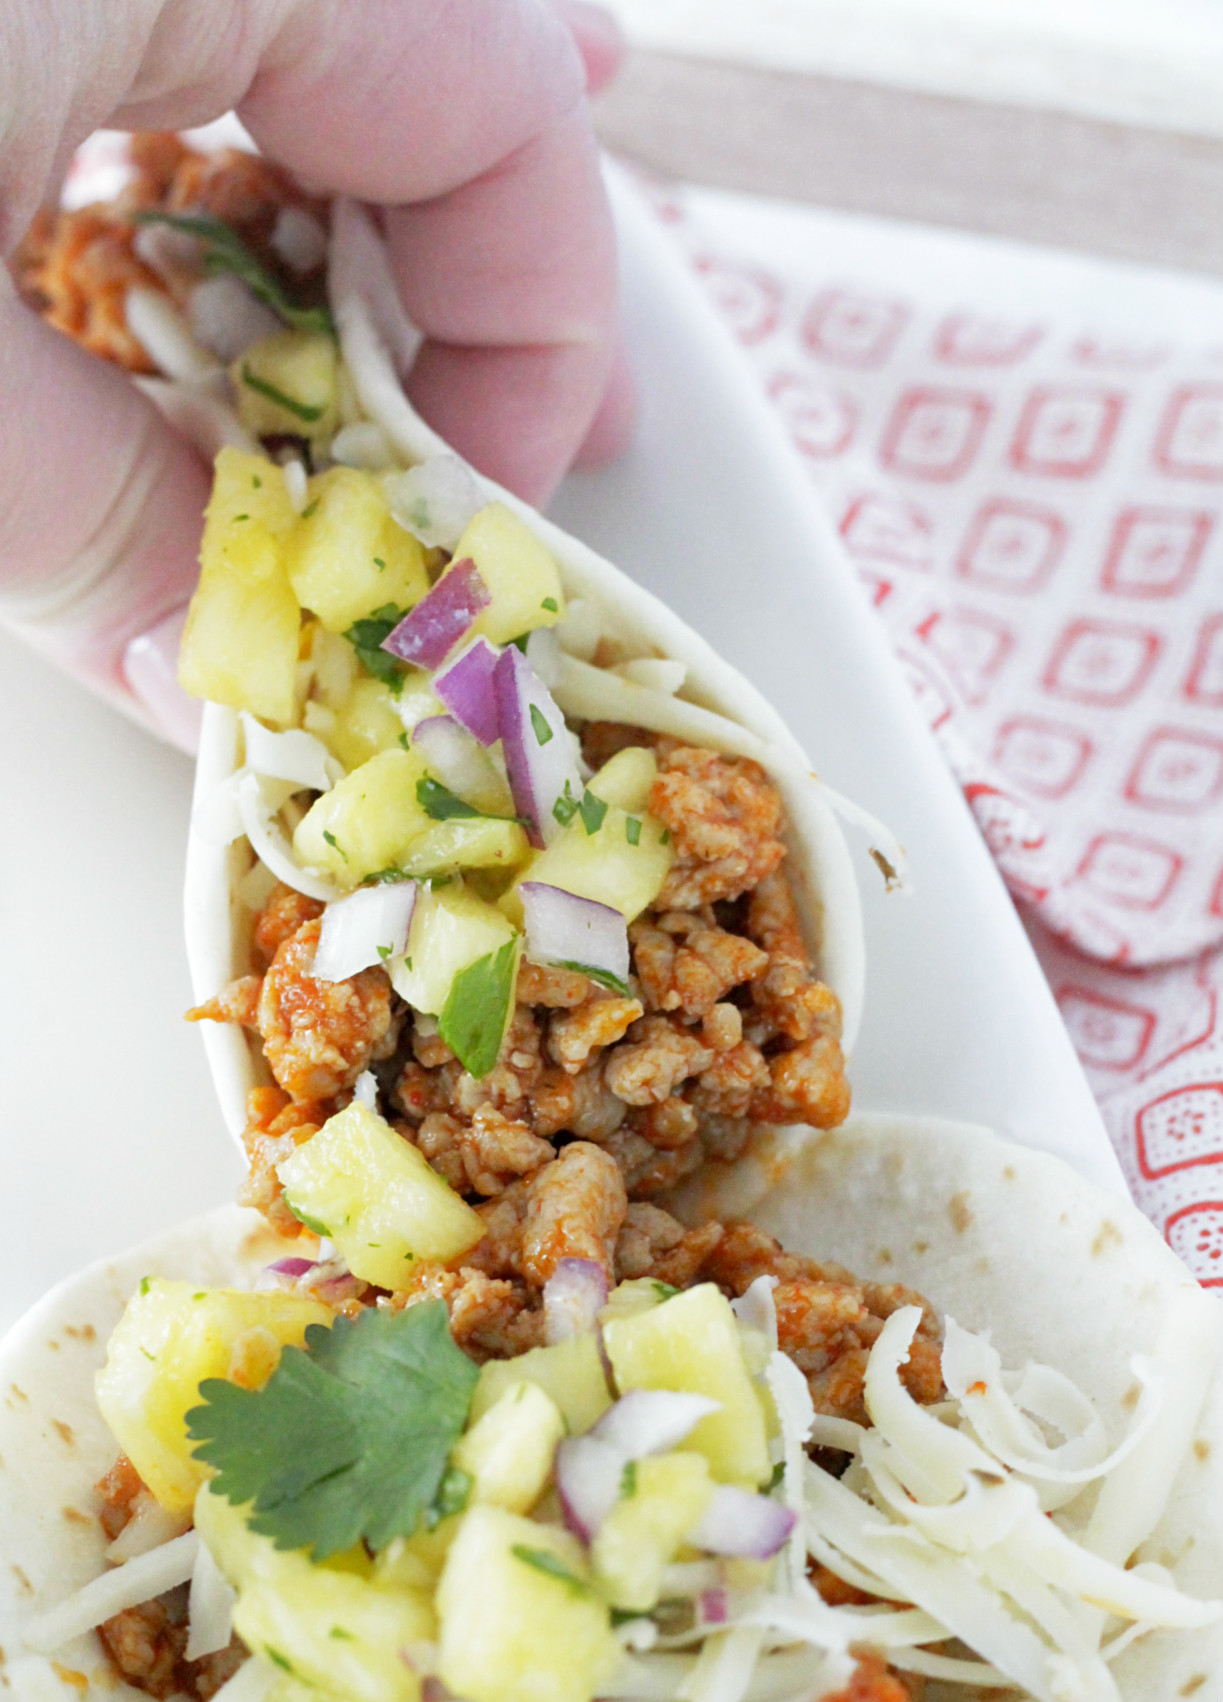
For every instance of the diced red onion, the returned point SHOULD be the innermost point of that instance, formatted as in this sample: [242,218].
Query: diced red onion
[589,1474]
[738,1522]
[573,1297]
[544,654]
[435,500]
[466,688]
[755,1308]
[299,240]
[563,928]
[458,759]
[428,633]
[293,1268]
[649,1421]
[368,926]
[715,1609]
[226,318]
[538,746]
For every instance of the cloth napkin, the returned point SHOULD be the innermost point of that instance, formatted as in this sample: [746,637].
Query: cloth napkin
[1022,454]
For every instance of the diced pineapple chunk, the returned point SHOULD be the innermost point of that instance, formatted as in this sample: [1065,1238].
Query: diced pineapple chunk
[286,383]
[451,928]
[661,1500]
[623,863]
[520,1620]
[346,556]
[366,722]
[636,1294]
[367,822]
[508,1452]
[375,1196]
[417,1561]
[240,644]
[521,576]
[335,665]
[478,843]
[170,1338]
[570,1371]
[691,1342]
[625,779]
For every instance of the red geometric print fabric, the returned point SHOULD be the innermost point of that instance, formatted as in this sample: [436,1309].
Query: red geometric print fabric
[1034,511]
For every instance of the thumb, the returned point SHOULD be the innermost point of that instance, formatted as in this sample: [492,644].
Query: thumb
[99,517]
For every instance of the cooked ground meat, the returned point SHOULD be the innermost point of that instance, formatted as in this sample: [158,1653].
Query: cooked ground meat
[118,1489]
[75,268]
[147,1646]
[873,1682]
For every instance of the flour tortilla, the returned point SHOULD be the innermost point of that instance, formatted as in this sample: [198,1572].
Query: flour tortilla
[999,1237]
[218,923]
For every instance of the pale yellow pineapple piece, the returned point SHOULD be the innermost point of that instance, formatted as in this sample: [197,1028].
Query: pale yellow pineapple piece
[520,1619]
[170,1338]
[508,1451]
[570,1372]
[623,864]
[347,557]
[523,581]
[451,929]
[466,843]
[286,384]
[625,779]
[635,1294]
[691,1342]
[365,723]
[661,1501]
[367,822]
[375,1195]
[417,1561]
[240,644]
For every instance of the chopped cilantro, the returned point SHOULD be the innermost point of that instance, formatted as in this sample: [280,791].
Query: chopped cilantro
[404,741]
[628,1480]
[664,837]
[335,844]
[366,637]
[552,1566]
[632,829]
[385,951]
[151,1357]
[349,1438]
[543,733]
[314,1223]
[225,251]
[238,517]
[477,1008]
[520,643]
[385,877]
[379,563]
[144,1284]
[566,806]
[442,804]
[256,481]
[551,604]
[277,1659]
[592,811]
[263,387]
[309,509]
[340,1634]
[779,1472]
[604,977]
[453,1494]
[665,1290]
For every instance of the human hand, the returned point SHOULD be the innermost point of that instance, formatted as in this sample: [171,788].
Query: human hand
[465,119]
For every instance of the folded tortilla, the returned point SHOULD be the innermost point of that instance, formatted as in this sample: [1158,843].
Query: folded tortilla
[1001,1238]
[716,706]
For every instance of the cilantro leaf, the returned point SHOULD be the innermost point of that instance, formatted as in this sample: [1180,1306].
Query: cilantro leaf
[264,387]
[477,1008]
[442,804]
[566,806]
[543,733]
[604,977]
[366,637]
[632,830]
[552,1566]
[225,251]
[349,1438]
[592,810]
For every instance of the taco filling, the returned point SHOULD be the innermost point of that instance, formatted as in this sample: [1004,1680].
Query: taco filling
[764,1480]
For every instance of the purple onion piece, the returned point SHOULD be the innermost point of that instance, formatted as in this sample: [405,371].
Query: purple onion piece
[649,1421]
[589,1475]
[428,633]
[466,688]
[573,1297]
[563,928]
[293,1268]
[715,1609]
[740,1523]
[538,747]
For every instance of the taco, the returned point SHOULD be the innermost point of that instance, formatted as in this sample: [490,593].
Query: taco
[765,1479]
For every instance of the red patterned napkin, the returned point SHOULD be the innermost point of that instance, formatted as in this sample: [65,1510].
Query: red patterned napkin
[1031,501]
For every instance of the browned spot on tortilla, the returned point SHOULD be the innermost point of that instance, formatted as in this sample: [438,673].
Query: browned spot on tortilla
[1201,1449]
[921,1246]
[26,1586]
[1105,1236]
[20,1393]
[884,1255]
[958,1212]
[1192,1685]
[1132,1395]
[53,1345]
[1009,1172]
[81,1332]
[64,1432]
[77,1680]
[74,1516]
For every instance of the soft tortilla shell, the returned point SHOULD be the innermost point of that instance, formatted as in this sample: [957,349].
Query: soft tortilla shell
[997,1236]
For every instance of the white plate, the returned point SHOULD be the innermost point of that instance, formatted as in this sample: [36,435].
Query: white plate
[110,1128]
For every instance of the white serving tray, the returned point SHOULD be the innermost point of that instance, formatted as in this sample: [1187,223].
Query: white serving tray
[110,1130]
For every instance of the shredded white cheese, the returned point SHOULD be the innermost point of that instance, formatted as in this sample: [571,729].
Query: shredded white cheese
[137,1581]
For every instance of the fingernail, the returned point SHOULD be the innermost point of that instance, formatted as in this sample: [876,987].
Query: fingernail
[150,668]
